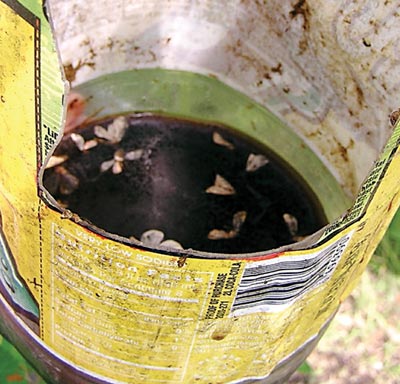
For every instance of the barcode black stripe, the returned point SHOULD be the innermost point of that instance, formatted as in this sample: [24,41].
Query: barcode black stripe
[286,265]
[281,282]
[279,291]
[285,275]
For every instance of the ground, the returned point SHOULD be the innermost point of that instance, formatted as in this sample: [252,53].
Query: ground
[362,345]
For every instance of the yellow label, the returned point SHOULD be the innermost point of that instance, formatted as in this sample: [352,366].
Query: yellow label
[18,149]
[137,316]
[134,313]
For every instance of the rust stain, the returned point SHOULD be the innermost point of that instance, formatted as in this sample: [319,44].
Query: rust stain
[390,205]
[219,335]
[343,151]
[360,95]
[267,76]
[93,54]
[153,55]
[301,8]
[277,69]
[181,262]
[70,71]
[366,42]
[394,117]
[238,51]
[110,44]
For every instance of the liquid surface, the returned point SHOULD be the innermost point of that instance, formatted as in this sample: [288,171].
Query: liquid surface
[200,185]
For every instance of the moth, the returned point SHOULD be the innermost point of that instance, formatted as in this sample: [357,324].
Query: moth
[254,162]
[155,238]
[114,132]
[81,143]
[221,186]
[116,164]
[291,222]
[62,180]
[219,140]
[237,221]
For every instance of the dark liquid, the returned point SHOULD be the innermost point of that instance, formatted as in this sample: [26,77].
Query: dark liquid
[166,188]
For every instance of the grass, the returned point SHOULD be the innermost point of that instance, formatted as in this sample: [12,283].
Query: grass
[362,345]
[387,255]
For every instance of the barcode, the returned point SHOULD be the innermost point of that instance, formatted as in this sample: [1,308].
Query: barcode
[271,285]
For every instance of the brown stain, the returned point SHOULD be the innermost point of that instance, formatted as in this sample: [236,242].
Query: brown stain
[360,95]
[267,76]
[110,44]
[301,8]
[322,40]
[152,55]
[70,71]
[181,262]
[238,51]
[366,42]
[313,134]
[219,335]
[390,205]
[264,74]
[277,69]
[394,117]
[93,54]
[343,151]
[222,330]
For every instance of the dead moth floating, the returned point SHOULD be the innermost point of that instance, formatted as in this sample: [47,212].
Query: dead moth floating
[56,160]
[291,223]
[212,172]
[219,234]
[117,162]
[221,186]
[219,140]
[293,226]
[63,181]
[81,143]
[255,162]
[114,132]
[155,238]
